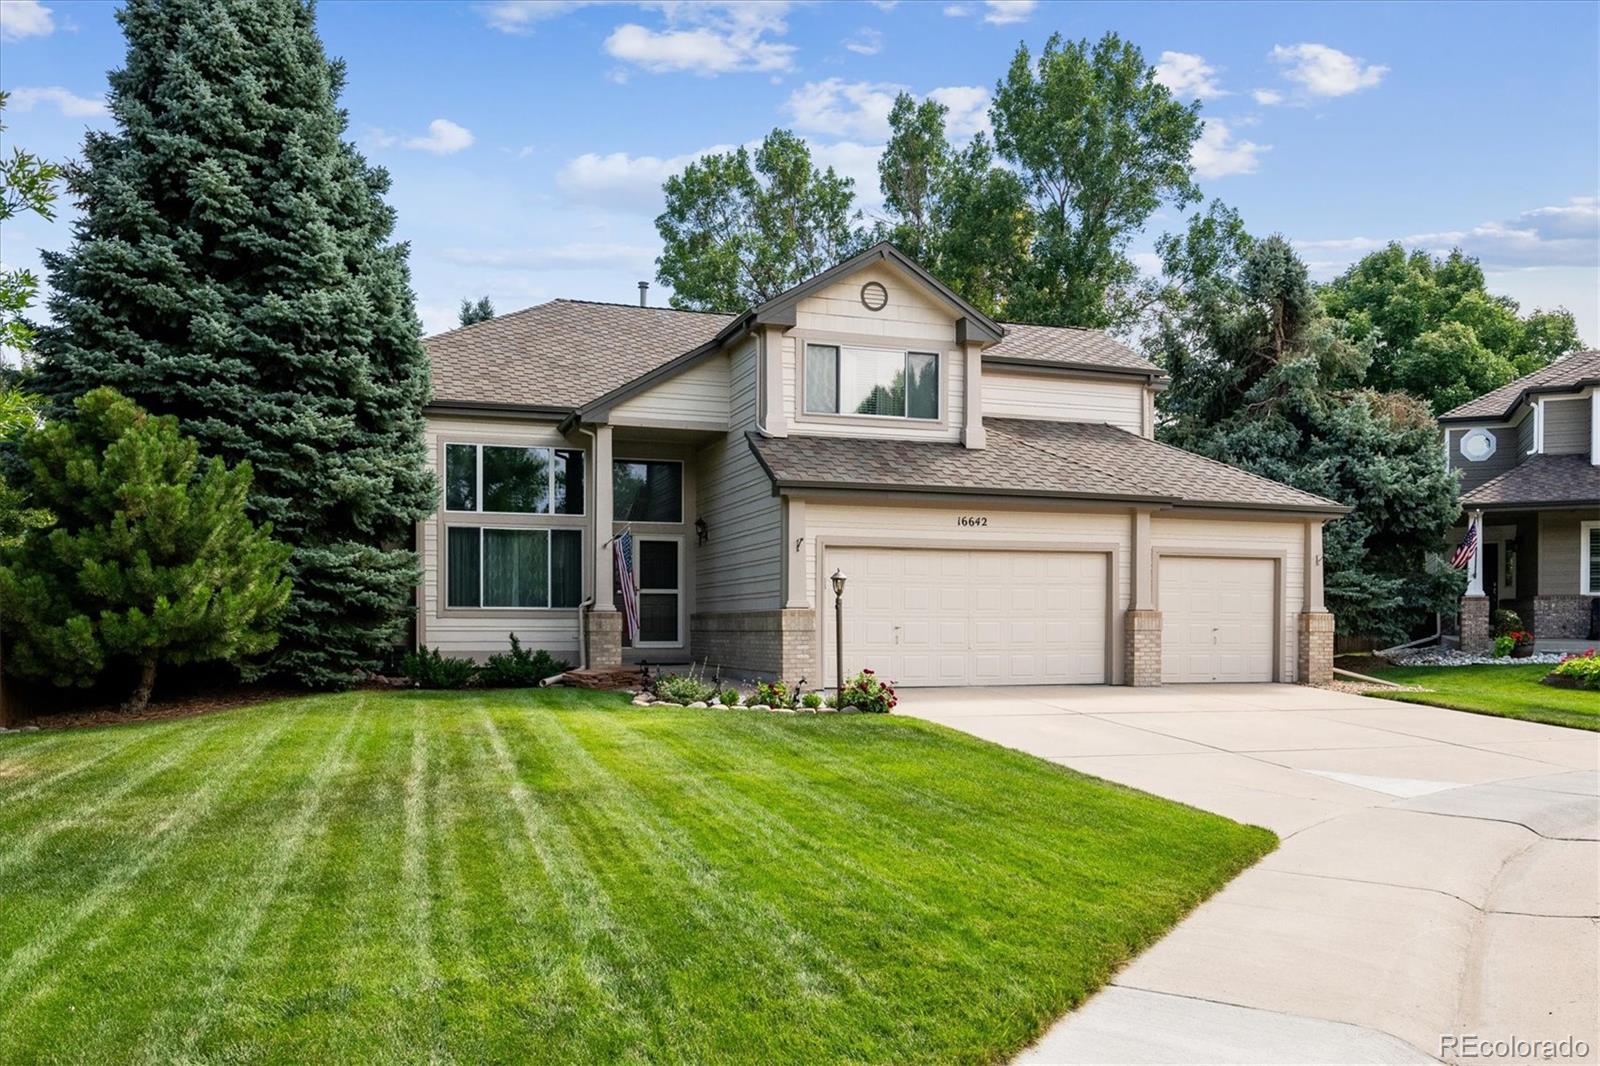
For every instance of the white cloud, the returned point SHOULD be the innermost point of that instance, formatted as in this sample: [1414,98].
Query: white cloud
[1189,75]
[66,101]
[866,42]
[1324,71]
[860,109]
[1216,154]
[1559,235]
[579,255]
[885,5]
[1005,12]
[25,18]
[708,39]
[1267,97]
[622,181]
[858,162]
[957,11]
[520,16]
[443,138]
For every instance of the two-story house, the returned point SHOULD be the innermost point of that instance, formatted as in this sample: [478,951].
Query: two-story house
[1529,457]
[993,494]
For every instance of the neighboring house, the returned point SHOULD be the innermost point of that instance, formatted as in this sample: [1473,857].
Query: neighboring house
[993,494]
[1529,457]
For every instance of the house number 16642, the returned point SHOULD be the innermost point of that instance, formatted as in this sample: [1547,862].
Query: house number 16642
[972,520]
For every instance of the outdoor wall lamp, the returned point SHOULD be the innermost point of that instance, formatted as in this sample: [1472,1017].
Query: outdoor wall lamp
[702,532]
[838,580]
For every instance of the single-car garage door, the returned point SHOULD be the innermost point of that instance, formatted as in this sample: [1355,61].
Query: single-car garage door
[934,617]
[1216,619]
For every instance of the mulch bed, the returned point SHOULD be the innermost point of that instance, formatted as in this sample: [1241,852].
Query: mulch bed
[185,706]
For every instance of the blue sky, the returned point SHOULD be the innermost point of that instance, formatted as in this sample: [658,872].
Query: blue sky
[527,141]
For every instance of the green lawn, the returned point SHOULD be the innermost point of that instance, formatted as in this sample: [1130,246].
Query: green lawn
[1507,691]
[558,877]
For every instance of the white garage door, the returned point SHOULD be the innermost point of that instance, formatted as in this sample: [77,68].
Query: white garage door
[971,617]
[1216,619]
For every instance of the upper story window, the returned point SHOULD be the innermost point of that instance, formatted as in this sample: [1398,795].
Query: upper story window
[877,382]
[500,479]
[647,490]
[1477,445]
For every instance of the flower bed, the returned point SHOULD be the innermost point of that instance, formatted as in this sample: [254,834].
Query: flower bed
[864,693]
[1452,657]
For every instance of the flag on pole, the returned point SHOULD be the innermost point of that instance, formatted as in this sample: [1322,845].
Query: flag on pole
[1467,548]
[622,552]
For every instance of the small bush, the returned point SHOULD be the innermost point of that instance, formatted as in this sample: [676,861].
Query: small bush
[1584,669]
[519,668]
[730,697]
[812,700]
[684,688]
[773,694]
[429,669]
[1503,646]
[868,693]
[1505,621]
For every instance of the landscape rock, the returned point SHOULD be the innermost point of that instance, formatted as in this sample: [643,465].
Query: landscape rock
[1452,657]
[851,709]
[760,707]
[699,705]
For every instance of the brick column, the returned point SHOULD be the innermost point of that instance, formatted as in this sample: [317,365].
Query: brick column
[1141,648]
[1475,639]
[1315,663]
[602,630]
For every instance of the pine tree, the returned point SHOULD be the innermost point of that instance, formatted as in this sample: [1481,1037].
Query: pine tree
[153,558]
[473,313]
[233,266]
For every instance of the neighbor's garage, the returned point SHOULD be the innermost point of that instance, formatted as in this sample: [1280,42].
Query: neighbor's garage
[946,617]
[1217,618]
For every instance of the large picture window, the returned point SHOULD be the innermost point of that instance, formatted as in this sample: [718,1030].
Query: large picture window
[521,567]
[877,382]
[647,490]
[499,479]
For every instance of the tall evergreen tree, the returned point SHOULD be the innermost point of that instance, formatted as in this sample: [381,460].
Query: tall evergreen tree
[234,267]
[473,313]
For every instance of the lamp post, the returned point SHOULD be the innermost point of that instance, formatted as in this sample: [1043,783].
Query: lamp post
[838,631]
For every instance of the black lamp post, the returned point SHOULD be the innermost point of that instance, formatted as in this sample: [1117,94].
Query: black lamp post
[838,630]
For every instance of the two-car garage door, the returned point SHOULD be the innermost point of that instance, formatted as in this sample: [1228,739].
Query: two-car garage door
[936,617]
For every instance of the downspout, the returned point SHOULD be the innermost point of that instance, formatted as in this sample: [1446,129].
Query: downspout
[761,381]
[588,601]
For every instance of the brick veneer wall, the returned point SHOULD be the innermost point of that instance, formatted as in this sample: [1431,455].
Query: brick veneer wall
[1314,665]
[1474,627]
[602,632]
[1560,617]
[1141,648]
[781,643]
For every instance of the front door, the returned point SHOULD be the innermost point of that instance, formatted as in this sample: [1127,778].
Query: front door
[658,576]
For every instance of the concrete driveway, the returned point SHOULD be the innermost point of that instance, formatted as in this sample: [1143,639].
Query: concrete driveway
[1438,875]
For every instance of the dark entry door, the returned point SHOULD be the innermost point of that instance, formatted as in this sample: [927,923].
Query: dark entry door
[1491,576]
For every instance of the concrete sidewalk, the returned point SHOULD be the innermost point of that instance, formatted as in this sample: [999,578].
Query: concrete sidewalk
[1438,876]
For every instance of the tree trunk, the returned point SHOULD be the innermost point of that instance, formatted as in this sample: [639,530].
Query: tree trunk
[141,695]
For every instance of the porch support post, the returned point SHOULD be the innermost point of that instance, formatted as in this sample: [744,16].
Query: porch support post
[1475,573]
[602,624]
[1315,632]
[1141,623]
[1474,621]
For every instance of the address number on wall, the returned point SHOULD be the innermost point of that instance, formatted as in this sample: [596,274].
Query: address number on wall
[972,520]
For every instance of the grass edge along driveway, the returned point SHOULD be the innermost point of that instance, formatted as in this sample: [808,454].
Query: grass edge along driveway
[1503,691]
[507,876]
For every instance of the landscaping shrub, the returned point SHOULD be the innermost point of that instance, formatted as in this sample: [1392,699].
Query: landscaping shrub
[684,688]
[730,697]
[867,692]
[773,694]
[519,668]
[1503,645]
[1584,669]
[1506,621]
[429,669]
[812,700]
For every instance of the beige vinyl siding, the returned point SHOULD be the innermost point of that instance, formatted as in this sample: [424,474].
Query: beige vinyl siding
[696,397]
[911,321]
[1235,537]
[478,634]
[1566,426]
[1054,397]
[738,568]
[1506,455]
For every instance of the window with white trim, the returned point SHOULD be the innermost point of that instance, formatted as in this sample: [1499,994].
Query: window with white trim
[647,490]
[507,479]
[875,382]
[1589,558]
[522,567]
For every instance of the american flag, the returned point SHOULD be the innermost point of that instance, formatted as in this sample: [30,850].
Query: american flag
[1469,545]
[622,551]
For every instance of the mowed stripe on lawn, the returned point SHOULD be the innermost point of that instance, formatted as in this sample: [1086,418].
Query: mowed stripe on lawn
[512,875]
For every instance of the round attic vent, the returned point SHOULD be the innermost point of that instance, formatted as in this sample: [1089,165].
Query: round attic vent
[874,297]
[1477,445]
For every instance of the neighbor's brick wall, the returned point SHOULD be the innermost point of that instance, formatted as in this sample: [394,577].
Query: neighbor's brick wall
[781,643]
[1141,648]
[1315,663]
[1559,617]
[602,631]
[1474,627]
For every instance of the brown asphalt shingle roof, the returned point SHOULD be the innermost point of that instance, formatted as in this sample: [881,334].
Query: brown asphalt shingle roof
[1541,480]
[566,353]
[1078,460]
[1569,373]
